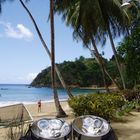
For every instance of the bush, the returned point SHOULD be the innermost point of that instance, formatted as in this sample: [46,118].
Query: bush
[103,105]
[131,95]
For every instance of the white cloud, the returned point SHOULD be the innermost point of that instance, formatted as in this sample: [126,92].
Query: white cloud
[18,32]
[16,79]
[28,78]
[31,76]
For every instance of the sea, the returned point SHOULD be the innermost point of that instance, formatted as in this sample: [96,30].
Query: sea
[20,93]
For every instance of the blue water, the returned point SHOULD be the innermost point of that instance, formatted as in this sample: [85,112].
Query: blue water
[22,93]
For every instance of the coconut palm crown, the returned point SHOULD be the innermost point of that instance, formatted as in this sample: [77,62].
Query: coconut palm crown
[94,19]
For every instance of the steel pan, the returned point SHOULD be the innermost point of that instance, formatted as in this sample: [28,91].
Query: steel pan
[90,128]
[47,129]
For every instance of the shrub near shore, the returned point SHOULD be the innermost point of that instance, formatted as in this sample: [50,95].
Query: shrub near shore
[107,105]
[103,105]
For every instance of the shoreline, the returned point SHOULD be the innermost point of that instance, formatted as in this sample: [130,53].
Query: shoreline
[7,103]
[101,89]
[77,87]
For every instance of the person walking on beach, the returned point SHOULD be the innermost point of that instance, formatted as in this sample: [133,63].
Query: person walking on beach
[39,106]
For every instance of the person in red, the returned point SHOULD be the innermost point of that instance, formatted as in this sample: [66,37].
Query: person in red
[39,106]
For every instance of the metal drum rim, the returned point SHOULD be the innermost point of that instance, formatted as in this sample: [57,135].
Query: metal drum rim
[94,136]
[49,137]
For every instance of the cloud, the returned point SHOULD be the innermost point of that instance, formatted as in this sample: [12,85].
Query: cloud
[22,79]
[28,78]
[31,76]
[18,32]
[25,78]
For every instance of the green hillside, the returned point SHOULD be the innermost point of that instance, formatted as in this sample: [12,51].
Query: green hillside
[80,73]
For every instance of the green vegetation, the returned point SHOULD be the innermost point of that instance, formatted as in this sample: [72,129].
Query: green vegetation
[82,17]
[83,72]
[113,21]
[91,31]
[109,106]
[103,105]
[129,49]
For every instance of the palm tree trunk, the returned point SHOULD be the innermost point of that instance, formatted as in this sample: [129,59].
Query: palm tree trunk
[47,50]
[60,111]
[100,64]
[115,55]
[105,70]
[112,79]
[63,82]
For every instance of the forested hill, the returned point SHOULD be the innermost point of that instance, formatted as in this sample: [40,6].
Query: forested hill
[82,72]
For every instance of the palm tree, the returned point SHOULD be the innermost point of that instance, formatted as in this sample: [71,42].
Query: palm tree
[78,15]
[116,23]
[46,48]
[94,19]
[60,112]
[102,63]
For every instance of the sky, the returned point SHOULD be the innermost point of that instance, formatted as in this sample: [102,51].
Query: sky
[22,56]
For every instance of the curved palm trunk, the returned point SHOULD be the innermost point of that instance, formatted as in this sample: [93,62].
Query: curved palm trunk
[112,79]
[115,55]
[47,50]
[100,64]
[112,45]
[60,111]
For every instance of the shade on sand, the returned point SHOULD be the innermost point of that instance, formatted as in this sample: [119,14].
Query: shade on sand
[14,115]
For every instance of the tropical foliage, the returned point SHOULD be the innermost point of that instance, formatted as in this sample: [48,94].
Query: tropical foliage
[83,17]
[129,49]
[109,106]
[103,105]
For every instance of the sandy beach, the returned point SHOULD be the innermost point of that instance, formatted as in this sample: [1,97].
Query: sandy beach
[128,129]
[48,110]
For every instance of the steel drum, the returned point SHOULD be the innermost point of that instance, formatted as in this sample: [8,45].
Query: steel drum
[91,128]
[47,129]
